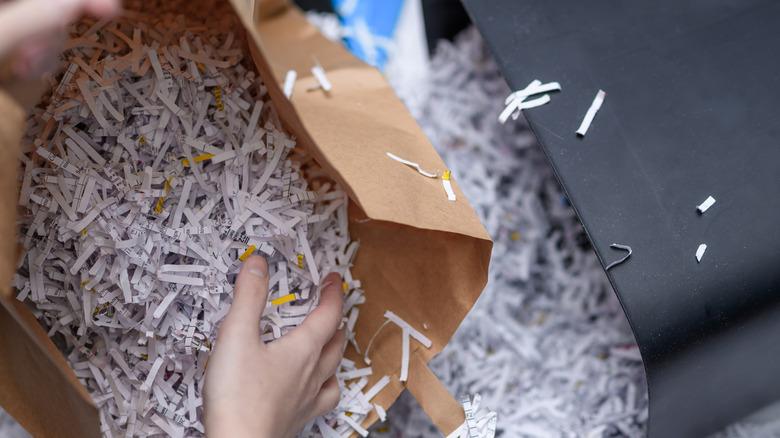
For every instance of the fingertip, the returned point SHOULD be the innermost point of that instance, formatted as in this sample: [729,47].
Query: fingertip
[332,278]
[103,8]
[332,290]
[256,266]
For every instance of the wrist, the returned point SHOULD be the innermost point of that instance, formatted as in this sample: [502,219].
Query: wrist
[235,423]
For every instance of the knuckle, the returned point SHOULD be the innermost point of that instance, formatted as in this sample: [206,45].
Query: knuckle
[308,347]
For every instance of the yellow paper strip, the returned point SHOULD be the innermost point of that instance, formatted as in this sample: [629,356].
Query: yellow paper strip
[282,300]
[218,96]
[159,206]
[247,253]
[198,159]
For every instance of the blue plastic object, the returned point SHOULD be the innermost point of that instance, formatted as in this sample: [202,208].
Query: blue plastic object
[369,25]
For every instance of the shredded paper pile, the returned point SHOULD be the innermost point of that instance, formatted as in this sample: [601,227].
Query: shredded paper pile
[156,166]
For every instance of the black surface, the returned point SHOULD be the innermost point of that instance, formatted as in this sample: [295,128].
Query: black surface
[692,110]
[315,5]
[443,20]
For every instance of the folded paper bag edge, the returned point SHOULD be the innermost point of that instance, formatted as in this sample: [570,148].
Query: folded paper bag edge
[39,389]
[447,414]
[16,98]
[348,151]
[434,305]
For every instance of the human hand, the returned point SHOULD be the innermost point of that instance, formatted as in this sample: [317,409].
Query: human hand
[272,390]
[33,29]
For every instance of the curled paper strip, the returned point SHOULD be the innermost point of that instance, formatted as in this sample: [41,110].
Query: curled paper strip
[535,87]
[615,263]
[413,164]
[517,102]
[594,108]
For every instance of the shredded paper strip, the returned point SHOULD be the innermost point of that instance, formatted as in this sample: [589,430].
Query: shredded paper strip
[591,114]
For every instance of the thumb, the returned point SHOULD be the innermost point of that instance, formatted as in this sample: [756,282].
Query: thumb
[249,298]
[21,20]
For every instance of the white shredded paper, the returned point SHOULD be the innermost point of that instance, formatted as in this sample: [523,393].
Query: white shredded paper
[516,102]
[480,421]
[155,168]
[445,179]
[700,252]
[704,206]
[414,165]
[289,83]
[617,262]
[594,108]
[319,74]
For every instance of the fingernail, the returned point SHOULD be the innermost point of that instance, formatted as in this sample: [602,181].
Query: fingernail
[333,277]
[259,269]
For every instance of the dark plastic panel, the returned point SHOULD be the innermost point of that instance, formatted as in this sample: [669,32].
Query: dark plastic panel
[692,110]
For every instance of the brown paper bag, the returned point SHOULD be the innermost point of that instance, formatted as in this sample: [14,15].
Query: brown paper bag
[421,256]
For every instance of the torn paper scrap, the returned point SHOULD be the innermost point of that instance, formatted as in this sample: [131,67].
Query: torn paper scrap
[289,83]
[594,108]
[704,206]
[381,412]
[700,252]
[471,423]
[516,101]
[480,420]
[445,179]
[319,74]
[535,87]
